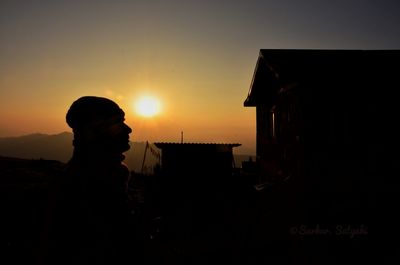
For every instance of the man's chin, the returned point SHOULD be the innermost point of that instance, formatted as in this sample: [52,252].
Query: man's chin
[126,147]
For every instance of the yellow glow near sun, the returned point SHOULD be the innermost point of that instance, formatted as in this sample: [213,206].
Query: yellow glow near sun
[148,106]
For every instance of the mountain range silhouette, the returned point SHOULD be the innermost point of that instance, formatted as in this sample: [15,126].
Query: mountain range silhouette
[59,147]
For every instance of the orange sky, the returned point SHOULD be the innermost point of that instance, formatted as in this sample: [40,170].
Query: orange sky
[206,105]
[197,57]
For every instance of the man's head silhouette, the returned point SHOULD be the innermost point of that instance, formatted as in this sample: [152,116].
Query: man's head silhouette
[98,126]
[91,204]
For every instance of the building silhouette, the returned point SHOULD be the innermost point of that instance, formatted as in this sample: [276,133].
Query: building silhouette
[188,159]
[195,180]
[326,118]
[327,152]
[198,173]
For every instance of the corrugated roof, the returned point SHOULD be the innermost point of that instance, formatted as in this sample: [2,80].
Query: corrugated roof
[159,144]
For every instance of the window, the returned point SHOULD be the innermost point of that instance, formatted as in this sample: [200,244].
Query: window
[273,125]
[273,122]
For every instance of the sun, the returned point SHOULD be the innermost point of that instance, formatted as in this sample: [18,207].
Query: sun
[148,106]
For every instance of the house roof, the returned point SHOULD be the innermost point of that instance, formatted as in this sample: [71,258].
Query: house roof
[196,148]
[169,144]
[280,68]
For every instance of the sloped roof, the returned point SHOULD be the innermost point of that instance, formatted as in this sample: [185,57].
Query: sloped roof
[277,68]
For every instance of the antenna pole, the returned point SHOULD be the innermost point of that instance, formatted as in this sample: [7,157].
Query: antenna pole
[144,158]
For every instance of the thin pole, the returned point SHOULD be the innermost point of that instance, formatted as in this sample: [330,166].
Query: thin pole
[181,137]
[144,158]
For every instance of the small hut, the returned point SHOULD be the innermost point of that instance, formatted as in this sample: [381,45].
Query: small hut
[186,160]
[196,186]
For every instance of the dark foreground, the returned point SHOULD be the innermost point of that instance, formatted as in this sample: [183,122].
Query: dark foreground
[235,223]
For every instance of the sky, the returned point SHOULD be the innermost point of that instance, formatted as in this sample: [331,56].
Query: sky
[196,57]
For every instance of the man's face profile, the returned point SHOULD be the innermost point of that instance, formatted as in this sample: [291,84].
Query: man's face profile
[99,122]
[118,134]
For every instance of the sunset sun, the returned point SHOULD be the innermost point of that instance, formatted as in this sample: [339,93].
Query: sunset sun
[147,106]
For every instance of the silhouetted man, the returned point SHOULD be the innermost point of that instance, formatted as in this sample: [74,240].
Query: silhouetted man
[91,220]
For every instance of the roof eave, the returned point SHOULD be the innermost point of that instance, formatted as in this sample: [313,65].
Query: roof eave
[250,100]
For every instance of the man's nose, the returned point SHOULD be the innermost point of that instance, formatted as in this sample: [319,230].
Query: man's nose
[128,129]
